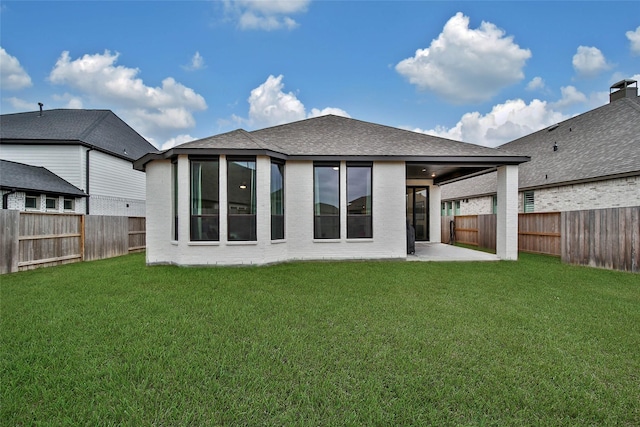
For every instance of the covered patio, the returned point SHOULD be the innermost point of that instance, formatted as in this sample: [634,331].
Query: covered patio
[430,251]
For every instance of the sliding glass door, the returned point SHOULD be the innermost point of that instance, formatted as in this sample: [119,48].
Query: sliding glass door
[418,211]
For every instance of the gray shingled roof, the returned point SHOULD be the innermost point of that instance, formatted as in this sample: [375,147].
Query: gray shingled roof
[604,142]
[339,137]
[21,177]
[100,129]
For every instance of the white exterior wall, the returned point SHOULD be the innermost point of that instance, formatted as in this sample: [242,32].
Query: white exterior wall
[612,193]
[16,201]
[115,187]
[507,215]
[66,161]
[388,201]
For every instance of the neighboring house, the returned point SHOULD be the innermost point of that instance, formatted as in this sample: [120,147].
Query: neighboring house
[590,161]
[323,188]
[36,189]
[93,150]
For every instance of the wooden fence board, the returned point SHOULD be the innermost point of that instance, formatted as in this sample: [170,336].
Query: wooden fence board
[605,238]
[9,246]
[106,236]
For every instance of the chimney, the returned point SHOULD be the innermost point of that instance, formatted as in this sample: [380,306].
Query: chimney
[623,89]
[41,105]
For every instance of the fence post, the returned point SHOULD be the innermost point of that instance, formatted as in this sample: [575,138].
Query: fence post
[82,237]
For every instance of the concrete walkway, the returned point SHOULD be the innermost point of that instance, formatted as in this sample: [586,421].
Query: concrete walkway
[427,251]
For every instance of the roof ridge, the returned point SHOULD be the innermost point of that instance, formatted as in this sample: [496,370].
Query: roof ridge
[95,124]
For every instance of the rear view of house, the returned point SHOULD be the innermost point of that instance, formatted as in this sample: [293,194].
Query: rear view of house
[323,188]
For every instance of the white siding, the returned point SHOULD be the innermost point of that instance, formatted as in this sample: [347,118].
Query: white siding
[115,187]
[66,161]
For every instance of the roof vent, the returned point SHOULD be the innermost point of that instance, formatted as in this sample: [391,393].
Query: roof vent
[41,105]
[623,89]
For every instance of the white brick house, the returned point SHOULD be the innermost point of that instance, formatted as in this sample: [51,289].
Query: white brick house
[93,150]
[322,188]
[590,161]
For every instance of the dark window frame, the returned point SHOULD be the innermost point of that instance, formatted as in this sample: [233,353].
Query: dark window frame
[211,220]
[277,211]
[242,227]
[324,222]
[360,226]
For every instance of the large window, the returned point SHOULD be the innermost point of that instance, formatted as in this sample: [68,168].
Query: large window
[359,224]
[205,202]
[174,197]
[241,198]
[277,200]
[326,198]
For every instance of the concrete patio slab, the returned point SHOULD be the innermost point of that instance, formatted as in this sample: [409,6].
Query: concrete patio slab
[427,251]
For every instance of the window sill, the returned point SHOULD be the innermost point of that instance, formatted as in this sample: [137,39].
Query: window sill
[363,240]
[327,240]
[279,241]
[242,243]
[209,243]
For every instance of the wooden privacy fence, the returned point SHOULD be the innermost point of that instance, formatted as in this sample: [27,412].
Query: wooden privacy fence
[607,238]
[31,240]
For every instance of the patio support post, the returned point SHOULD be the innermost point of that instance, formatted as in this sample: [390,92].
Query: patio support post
[507,215]
[435,220]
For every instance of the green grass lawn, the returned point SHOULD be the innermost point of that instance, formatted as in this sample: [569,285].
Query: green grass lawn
[114,342]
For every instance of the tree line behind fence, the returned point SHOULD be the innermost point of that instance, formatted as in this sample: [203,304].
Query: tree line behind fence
[606,238]
[32,240]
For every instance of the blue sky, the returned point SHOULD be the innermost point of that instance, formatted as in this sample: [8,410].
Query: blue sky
[481,72]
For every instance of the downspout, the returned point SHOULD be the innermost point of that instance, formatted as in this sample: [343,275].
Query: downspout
[5,198]
[87,180]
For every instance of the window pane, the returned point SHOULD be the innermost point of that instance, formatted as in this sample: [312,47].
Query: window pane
[326,194]
[174,196]
[51,203]
[359,223]
[277,201]
[68,204]
[241,194]
[31,202]
[205,204]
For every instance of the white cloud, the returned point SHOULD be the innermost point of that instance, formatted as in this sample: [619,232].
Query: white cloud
[634,38]
[22,105]
[466,65]
[269,105]
[570,96]
[156,111]
[506,122]
[326,111]
[589,61]
[266,14]
[70,101]
[197,63]
[536,83]
[12,75]
[180,139]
